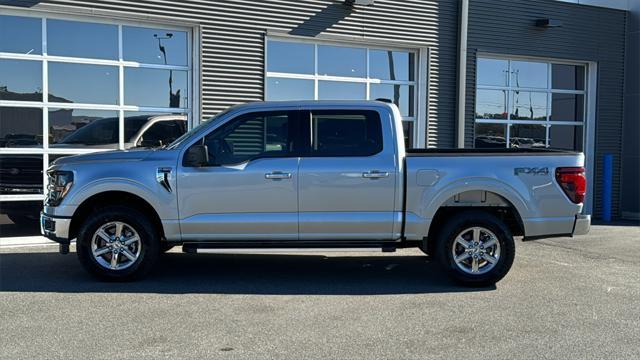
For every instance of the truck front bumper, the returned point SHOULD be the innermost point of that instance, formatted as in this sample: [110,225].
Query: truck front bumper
[55,228]
[582,225]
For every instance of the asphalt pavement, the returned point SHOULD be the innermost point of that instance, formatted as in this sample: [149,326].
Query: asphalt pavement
[563,299]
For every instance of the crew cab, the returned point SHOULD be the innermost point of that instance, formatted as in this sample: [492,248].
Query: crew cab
[311,175]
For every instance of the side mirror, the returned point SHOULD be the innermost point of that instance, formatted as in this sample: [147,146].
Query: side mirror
[197,156]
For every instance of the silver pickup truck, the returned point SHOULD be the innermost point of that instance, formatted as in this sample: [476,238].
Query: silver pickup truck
[315,176]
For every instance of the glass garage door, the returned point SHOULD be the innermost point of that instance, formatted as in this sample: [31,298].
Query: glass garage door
[72,86]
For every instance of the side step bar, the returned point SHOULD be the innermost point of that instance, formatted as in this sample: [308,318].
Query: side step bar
[299,247]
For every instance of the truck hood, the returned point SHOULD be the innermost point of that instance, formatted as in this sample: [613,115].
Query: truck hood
[107,156]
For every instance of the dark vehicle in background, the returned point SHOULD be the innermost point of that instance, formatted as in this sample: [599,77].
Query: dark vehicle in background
[23,174]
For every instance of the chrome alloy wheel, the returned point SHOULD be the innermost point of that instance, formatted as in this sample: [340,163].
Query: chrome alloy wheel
[476,250]
[116,245]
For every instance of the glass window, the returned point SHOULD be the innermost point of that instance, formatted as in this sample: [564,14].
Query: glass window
[391,65]
[20,80]
[527,105]
[20,127]
[567,77]
[251,136]
[341,90]
[527,136]
[22,35]
[289,89]
[154,46]
[155,87]
[525,74]
[401,95]
[566,137]
[491,104]
[346,133]
[288,57]
[153,129]
[342,61]
[567,107]
[77,128]
[492,72]
[20,218]
[490,136]
[82,39]
[21,174]
[82,83]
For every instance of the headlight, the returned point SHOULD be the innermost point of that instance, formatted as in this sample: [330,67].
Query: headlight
[59,184]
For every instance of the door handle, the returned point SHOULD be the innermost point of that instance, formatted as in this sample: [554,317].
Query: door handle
[277,175]
[375,174]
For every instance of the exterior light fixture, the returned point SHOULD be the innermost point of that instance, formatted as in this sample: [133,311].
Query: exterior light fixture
[548,23]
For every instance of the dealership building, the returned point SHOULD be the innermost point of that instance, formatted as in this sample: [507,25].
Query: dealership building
[83,76]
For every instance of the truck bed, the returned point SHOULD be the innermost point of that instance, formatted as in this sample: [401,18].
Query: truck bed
[488,152]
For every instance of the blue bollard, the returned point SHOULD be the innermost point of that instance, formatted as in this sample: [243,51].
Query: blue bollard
[607,184]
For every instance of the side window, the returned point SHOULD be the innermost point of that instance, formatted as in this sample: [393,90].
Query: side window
[250,136]
[345,133]
[163,133]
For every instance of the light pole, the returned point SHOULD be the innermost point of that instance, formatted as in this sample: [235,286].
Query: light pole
[174,99]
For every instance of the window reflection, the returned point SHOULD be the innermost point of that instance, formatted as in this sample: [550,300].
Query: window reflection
[491,104]
[391,65]
[76,128]
[342,61]
[492,72]
[527,105]
[21,80]
[401,95]
[22,35]
[82,83]
[82,39]
[20,218]
[567,107]
[490,136]
[20,127]
[21,174]
[287,57]
[407,127]
[529,74]
[566,137]
[152,129]
[340,90]
[155,87]
[567,77]
[289,89]
[527,136]
[154,46]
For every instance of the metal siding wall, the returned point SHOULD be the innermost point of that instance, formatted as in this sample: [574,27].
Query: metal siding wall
[233,41]
[588,34]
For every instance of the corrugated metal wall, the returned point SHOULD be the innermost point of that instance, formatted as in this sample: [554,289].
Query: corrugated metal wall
[587,34]
[233,40]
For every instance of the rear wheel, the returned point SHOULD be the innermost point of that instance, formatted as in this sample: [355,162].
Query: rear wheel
[475,248]
[118,243]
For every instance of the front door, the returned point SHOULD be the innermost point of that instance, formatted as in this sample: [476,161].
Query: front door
[347,177]
[249,190]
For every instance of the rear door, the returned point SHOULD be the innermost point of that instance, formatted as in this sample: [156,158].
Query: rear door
[347,176]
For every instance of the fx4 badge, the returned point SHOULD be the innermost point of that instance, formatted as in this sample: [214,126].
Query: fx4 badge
[531,171]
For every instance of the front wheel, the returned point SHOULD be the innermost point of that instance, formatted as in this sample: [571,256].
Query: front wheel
[117,243]
[475,248]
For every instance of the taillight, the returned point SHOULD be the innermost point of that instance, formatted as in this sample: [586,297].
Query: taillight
[573,182]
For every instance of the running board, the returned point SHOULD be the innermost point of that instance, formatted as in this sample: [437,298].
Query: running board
[244,248]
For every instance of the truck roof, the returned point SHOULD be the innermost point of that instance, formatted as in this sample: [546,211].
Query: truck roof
[313,103]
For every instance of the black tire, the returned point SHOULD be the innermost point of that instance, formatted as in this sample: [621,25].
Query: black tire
[465,220]
[149,239]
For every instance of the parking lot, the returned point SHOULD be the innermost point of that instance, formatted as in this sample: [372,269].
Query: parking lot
[564,298]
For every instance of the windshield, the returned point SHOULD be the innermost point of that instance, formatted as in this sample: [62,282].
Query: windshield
[105,131]
[188,134]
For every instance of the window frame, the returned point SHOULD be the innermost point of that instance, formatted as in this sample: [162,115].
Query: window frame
[294,125]
[548,91]
[190,108]
[420,70]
